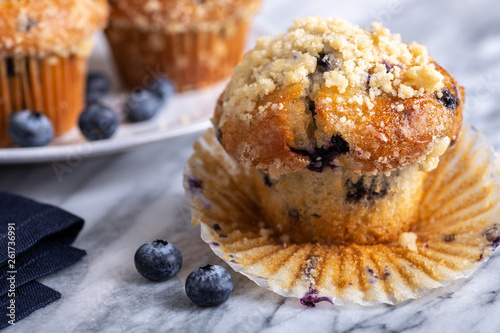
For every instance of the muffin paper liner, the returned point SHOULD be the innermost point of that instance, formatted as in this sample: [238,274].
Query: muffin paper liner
[51,85]
[458,229]
[192,58]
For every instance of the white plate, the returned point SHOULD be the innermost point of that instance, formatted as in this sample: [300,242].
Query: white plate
[185,113]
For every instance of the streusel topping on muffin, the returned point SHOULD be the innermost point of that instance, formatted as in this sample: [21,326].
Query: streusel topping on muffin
[178,15]
[49,27]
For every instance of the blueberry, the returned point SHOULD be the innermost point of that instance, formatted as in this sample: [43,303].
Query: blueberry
[448,99]
[324,62]
[388,66]
[98,122]
[98,85]
[325,156]
[158,260]
[357,191]
[294,215]
[30,129]
[312,108]
[267,181]
[142,105]
[209,285]
[162,87]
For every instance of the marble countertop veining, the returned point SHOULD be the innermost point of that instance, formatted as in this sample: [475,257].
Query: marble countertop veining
[130,198]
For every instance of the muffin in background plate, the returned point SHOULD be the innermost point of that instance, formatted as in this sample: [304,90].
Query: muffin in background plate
[342,124]
[44,47]
[195,43]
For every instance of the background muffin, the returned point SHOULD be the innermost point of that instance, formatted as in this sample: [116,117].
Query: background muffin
[342,123]
[194,42]
[44,46]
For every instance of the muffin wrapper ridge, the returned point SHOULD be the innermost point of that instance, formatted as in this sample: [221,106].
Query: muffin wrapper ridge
[458,230]
[191,58]
[51,85]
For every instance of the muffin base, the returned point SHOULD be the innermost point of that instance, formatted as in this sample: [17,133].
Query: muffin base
[191,58]
[52,85]
[337,206]
[457,230]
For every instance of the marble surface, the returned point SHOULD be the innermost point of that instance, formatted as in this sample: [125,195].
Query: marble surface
[131,198]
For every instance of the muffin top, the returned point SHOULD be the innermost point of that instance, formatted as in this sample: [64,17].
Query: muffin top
[49,27]
[178,15]
[329,93]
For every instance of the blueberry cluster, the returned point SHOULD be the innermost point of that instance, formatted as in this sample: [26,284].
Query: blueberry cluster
[29,128]
[98,121]
[207,286]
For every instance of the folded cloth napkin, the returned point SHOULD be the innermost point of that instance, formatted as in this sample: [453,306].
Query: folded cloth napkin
[34,242]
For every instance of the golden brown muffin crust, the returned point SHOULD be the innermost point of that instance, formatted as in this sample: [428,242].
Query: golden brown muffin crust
[41,27]
[177,15]
[385,138]
[388,101]
[265,140]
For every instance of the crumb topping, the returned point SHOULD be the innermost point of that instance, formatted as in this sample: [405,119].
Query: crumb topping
[178,15]
[49,27]
[430,161]
[408,240]
[371,55]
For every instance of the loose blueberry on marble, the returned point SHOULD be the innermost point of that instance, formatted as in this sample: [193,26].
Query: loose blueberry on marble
[142,105]
[98,122]
[448,99]
[209,285]
[162,87]
[158,260]
[98,85]
[30,129]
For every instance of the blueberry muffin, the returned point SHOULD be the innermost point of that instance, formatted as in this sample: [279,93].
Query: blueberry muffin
[44,47]
[194,42]
[341,126]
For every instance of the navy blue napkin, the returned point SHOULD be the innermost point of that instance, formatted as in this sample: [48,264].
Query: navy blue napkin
[34,241]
